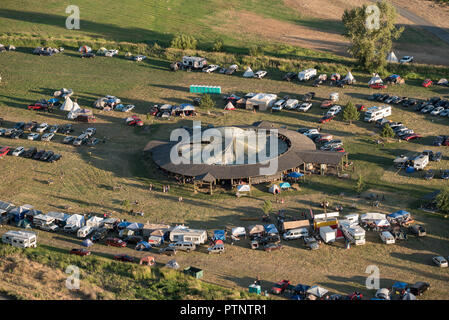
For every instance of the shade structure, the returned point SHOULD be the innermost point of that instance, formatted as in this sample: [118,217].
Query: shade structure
[295,175]
[285,185]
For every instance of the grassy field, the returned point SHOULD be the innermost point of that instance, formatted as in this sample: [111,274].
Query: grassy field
[85,177]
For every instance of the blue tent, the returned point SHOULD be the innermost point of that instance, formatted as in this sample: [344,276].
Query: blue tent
[134,226]
[285,185]
[399,286]
[219,235]
[53,100]
[123,225]
[398,214]
[409,169]
[295,174]
[271,228]
[143,246]
[87,243]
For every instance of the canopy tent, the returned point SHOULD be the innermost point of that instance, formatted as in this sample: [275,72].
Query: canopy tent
[375,79]
[248,73]
[392,57]
[400,214]
[271,229]
[371,216]
[295,175]
[243,188]
[350,78]
[143,246]
[186,107]
[135,226]
[443,82]
[123,225]
[87,243]
[258,228]
[229,106]
[382,223]
[274,189]
[95,222]
[238,231]
[53,101]
[158,233]
[285,185]
[219,235]
[166,107]
[58,215]
[317,291]
[75,220]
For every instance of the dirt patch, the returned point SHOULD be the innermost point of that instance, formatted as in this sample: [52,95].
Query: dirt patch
[436,13]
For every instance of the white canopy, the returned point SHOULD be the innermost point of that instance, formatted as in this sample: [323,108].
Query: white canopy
[317,291]
[382,223]
[237,231]
[248,73]
[392,57]
[375,79]
[373,216]
[95,222]
[76,219]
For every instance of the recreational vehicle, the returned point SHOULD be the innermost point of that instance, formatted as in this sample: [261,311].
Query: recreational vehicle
[387,237]
[354,234]
[420,162]
[194,62]
[84,231]
[377,113]
[21,239]
[306,74]
[186,234]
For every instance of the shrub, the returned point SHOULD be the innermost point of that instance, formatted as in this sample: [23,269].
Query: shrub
[218,45]
[387,131]
[206,102]
[183,42]
[255,51]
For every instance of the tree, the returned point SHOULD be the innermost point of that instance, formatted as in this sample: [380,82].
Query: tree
[350,113]
[387,131]
[206,102]
[443,200]
[267,207]
[360,185]
[371,30]
[218,45]
[183,41]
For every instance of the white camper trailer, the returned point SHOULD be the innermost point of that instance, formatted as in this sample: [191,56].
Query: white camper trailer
[354,234]
[194,62]
[186,234]
[84,231]
[377,113]
[21,239]
[328,234]
[387,237]
[421,161]
[307,74]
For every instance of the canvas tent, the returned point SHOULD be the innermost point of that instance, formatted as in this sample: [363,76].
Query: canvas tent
[271,229]
[67,104]
[375,79]
[59,216]
[254,229]
[382,223]
[229,106]
[350,78]
[274,189]
[317,291]
[143,246]
[248,73]
[261,101]
[95,222]
[76,220]
[392,57]
[135,226]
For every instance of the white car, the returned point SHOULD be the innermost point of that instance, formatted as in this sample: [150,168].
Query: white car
[111,53]
[427,108]
[311,132]
[42,127]
[305,106]
[33,136]
[68,139]
[260,74]
[406,59]
[437,111]
[334,111]
[17,151]
[440,261]
[128,108]
[47,136]
[444,113]
[90,131]
[211,68]
[291,104]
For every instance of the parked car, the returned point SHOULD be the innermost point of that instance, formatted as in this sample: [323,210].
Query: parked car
[46,156]
[183,245]
[218,248]
[115,242]
[323,138]
[290,76]
[440,261]
[4,151]
[42,127]
[291,104]
[419,288]
[80,252]
[53,129]
[68,139]
[134,121]
[334,110]
[123,258]
[280,287]
[260,74]
[305,106]
[29,153]
[169,251]
[16,134]
[326,104]
[308,96]
[66,129]
[47,136]
[38,154]
[99,234]
[438,141]
[406,59]
[378,86]
[18,151]
[311,243]
[30,126]
[417,230]
[445,175]
[326,118]
[210,68]
[411,136]
[82,139]
[90,131]
[272,246]
[436,111]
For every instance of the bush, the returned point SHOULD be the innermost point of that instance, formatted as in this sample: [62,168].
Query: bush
[443,200]
[218,46]
[183,42]
[206,102]
[255,51]
[387,131]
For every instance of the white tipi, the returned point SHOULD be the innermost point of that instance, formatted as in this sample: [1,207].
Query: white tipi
[350,78]
[67,105]
[392,57]
[248,73]
[375,79]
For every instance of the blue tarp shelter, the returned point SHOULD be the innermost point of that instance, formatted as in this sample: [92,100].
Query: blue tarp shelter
[135,226]
[143,246]
[271,229]
[400,214]
[123,225]
[19,212]
[219,235]
[295,175]
[285,185]
[399,286]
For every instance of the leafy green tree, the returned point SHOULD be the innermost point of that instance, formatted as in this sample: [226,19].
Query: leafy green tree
[183,41]
[350,113]
[206,102]
[443,200]
[255,51]
[387,131]
[267,207]
[371,30]
[360,185]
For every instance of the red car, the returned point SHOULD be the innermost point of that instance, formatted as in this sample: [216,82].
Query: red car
[134,121]
[360,107]
[326,118]
[38,106]
[324,138]
[80,252]
[115,242]
[446,142]
[338,149]
[154,111]
[4,151]
[378,86]
[411,136]
[124,258]
[427,83]
[280,287]
[326,104]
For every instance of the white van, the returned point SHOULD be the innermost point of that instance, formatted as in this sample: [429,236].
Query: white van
[21,239]
[377,113]
[84,231]
[295,234]
[387,237]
